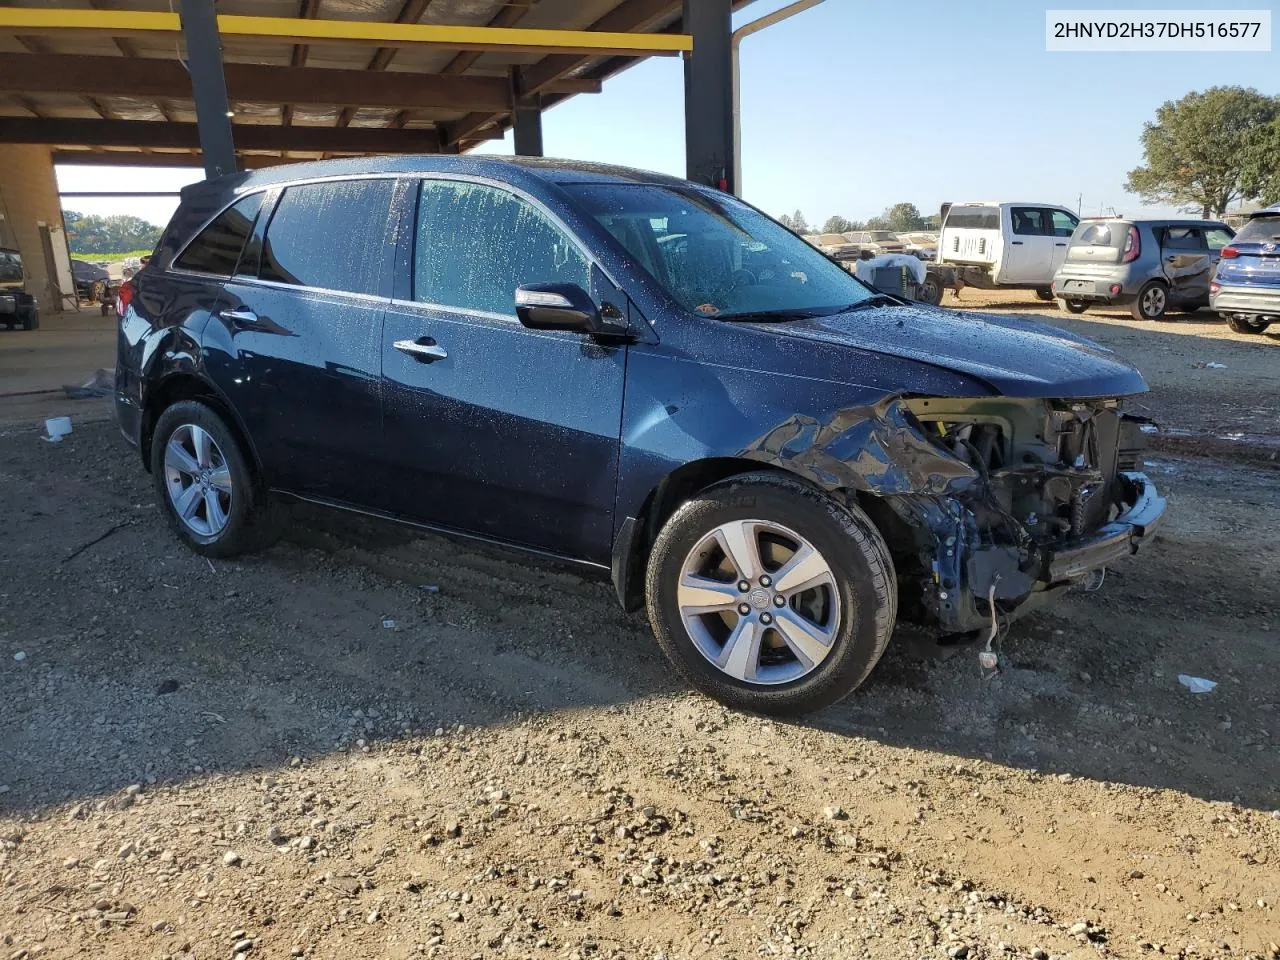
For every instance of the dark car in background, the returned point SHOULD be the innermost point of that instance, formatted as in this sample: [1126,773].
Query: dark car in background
[1246,289]
[94,284]
[17,307]
[645,378]
[1150,266]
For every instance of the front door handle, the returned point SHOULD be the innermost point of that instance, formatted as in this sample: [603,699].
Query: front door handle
[424,349]
[1059,244]
[1017,243]
[238,315]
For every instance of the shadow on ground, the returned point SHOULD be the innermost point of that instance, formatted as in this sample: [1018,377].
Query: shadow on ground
[144,662]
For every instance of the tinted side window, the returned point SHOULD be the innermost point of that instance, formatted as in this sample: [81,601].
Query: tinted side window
[476,244]
[1029,221]
[1183,238]
[217,247]
[335,236]
[1061,224]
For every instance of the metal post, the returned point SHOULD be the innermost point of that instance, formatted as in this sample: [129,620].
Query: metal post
[708,94]
[208,87]
[755,26]
[528,130]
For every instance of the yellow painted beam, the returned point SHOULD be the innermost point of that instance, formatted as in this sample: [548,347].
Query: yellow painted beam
[125,23]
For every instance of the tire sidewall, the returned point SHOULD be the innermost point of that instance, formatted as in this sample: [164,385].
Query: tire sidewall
[864,626]
[236,535]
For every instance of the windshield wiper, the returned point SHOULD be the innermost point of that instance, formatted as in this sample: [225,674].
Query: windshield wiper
[775,315]
[877,300]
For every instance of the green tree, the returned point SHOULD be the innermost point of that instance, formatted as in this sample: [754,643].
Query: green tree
[1260,177]
[799,224]
[837,224]
[903,217]
[1196,148]
[879,223]
[118,233]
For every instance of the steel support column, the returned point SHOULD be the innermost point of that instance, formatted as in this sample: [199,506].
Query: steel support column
[708,94]
[208,86]
[528,130]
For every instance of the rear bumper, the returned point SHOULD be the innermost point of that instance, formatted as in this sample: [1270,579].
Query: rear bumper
[1252,300]
[1118,539]
[1092,290]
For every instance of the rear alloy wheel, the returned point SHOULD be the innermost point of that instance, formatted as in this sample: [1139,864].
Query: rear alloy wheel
[205,486]
[1246,324]
[768,595]
[1045,294]
[1152,301]
[1073,306]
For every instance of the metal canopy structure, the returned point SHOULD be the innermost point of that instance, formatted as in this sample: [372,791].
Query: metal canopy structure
[254,82]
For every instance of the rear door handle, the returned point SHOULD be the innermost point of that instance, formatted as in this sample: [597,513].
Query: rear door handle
[424,349]
[1017,243]
[1059,244]
[239,315]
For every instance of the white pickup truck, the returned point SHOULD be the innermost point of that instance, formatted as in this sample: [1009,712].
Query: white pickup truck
[992,244]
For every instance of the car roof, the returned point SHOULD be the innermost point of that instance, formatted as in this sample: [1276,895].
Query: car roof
[1270,211]
[511,169]
[1157,221]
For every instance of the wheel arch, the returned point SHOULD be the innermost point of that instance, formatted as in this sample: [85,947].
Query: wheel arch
[637,533]
[183,385]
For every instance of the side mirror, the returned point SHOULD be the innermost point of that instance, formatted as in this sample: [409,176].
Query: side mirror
[566,306]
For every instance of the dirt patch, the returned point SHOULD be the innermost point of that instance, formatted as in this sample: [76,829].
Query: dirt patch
[369,743]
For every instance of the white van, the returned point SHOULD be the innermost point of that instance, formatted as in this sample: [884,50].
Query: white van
[1006,244]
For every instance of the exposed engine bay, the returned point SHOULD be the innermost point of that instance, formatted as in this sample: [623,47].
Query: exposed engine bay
[1056,489]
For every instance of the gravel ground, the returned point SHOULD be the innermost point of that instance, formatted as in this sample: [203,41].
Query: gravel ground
[369,743]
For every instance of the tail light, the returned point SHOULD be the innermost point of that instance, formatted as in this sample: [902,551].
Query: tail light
[124,297]
[1214,287]
[1132,246]
[1229,253]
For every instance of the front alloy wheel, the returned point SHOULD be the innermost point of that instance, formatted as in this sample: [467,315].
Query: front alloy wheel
[759,602]
[767,594]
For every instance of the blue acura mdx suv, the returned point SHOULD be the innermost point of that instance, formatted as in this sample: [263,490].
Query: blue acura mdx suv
[644,377]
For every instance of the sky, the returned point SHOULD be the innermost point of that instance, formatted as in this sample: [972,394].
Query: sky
[855,105]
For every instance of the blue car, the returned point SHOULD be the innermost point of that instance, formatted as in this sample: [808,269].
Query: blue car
[1246,287]
[636,375]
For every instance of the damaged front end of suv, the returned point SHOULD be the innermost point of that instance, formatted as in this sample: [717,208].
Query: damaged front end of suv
[1012,501]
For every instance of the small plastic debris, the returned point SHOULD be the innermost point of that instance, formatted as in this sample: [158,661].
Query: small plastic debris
[431,587]
[100,384]
[1197,684]
[388,624]
[1210,365]
[20,655]
[56,428]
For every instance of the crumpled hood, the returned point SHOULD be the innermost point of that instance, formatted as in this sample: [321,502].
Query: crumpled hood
[1017,356]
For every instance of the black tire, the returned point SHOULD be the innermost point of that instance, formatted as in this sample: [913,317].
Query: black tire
[254,519]
[1073,306]
[1152,301]
[1246,324]
[858,559]
[1045,294]
[30,319]
[931,290]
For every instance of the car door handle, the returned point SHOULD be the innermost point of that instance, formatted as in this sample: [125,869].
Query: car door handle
[1059,244]
[1017,243]
[238,315]
[424,349]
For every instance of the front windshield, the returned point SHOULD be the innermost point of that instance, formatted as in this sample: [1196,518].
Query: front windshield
[716,256]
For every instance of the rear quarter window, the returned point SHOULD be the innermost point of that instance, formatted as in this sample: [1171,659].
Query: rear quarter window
[216,248]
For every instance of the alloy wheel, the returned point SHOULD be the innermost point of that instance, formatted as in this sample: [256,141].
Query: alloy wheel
[759,602]
[198,480]
[1153,302]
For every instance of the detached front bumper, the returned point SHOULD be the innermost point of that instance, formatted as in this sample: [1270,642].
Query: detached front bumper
[1118,539]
